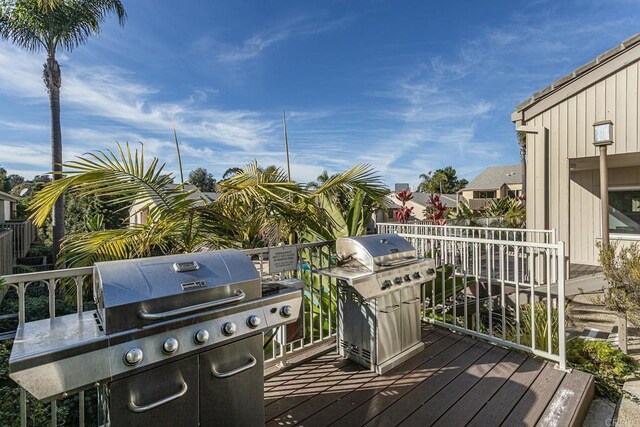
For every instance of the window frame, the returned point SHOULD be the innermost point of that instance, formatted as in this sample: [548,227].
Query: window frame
[618,235]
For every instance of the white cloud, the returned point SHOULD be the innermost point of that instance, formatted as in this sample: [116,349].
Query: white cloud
[254,45]
[114,94]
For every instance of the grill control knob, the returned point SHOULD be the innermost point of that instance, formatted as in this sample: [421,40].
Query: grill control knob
[133,357]
[170,345]
[431,271]
[386,284]
[407,278]
[398,280]
[202,336]
[229,328]
[253,321]
[286,311]
[416,275]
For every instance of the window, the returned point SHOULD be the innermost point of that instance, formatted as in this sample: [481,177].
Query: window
[485,195]
[624,211]
[514,193]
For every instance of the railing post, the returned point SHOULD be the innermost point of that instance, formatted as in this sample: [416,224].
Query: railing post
[561,333]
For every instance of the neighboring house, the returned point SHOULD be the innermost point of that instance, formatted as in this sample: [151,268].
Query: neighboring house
[8,207]
[495,182]
[563,185]
[141,215]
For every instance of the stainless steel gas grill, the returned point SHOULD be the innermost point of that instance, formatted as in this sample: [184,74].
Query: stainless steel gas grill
[174,340]
[379,279]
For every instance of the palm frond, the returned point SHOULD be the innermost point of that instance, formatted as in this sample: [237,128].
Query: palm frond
[121,176]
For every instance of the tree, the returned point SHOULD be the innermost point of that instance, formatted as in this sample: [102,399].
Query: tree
[442,181]
[231,172]
[53,26]
[256,207]
[4,180]
[202,179]
[321,179]
[177,223]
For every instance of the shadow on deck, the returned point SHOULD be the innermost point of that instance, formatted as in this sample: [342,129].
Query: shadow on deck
[455,381]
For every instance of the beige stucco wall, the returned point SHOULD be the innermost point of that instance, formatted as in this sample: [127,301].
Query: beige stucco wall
[568,201]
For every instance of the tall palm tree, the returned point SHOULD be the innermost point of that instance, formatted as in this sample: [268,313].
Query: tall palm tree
[52,26]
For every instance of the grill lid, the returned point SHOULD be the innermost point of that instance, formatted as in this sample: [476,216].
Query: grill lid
[376,251]
[132,293]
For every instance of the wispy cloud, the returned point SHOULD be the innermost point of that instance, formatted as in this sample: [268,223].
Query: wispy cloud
[251,47]
[115,94]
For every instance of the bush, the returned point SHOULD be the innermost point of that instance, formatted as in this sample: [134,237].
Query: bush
[621,268]
[609,366]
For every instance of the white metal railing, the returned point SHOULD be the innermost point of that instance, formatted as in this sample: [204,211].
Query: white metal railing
[24,233]
[319,308]
[504,291]
[492,233]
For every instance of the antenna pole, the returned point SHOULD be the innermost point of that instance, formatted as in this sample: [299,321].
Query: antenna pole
[286,144]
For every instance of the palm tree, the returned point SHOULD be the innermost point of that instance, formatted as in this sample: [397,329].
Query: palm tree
[321,179]
[176,222]
[52,26]
[256,208]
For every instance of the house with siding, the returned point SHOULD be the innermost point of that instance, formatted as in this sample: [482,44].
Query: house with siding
[495,182]
[8,206]
[562,172]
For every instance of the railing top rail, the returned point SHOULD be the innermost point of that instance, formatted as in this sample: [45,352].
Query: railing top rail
[5,231]
[528,230]
[535,245]
[46,275]
[81,271]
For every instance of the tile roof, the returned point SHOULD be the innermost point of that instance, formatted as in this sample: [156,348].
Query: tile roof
[494,177]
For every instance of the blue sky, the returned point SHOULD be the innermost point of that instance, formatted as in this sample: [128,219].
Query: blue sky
[407,86]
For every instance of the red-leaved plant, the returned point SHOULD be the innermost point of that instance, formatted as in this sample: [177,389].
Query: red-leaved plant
[404,213]
[437,212]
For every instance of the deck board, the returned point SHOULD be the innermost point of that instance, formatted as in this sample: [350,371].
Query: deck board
[455,380]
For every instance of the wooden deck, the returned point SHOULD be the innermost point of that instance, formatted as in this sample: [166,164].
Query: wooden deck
[455,381]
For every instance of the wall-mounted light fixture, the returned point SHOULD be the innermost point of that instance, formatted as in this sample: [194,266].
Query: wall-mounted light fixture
[603,133]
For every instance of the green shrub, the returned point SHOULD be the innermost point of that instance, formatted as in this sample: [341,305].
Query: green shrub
[609,366]
[621,268]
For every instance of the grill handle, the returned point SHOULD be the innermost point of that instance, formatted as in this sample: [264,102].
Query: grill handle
[251,364]
[239,296]
[413,301]
[405,261]
[137,409]
[390,309]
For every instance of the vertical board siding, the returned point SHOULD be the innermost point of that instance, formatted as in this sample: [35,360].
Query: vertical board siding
[572,202]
